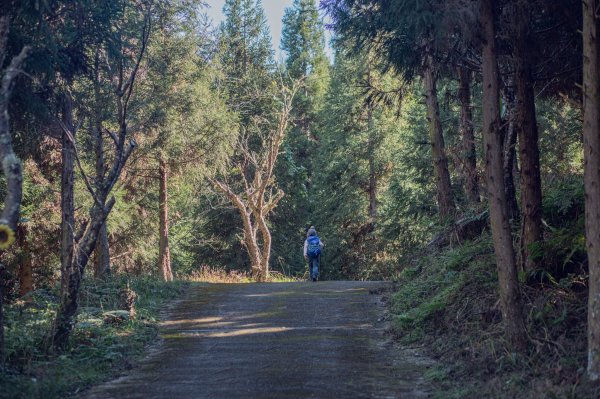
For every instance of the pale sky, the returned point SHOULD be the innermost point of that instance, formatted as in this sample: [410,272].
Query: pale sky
[274,12]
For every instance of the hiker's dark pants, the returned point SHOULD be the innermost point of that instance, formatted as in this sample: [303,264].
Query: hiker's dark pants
[313,266]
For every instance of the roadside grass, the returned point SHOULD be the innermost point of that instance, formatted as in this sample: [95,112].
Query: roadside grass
[105,339]
[215,275]
[447,304]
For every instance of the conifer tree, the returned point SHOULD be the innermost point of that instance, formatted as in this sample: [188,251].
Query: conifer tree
[187,123]
[351,162]
[409,36]
[304,43]
[591,136]
[510,296]
[303,40]
[246,56]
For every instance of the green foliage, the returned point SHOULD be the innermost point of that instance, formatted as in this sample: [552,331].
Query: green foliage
[303,41]
[563,250]
[394,148]
[98,350]
[246,57]
[447,302]
[561,143]
[431,288]
[563,201]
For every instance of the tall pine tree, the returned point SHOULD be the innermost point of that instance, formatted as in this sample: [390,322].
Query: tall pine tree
[303,40]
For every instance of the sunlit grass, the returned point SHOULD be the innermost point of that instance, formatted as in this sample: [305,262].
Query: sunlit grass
[99,347]
[215,275]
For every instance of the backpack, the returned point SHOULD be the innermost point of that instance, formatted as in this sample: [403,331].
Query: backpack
[314,248]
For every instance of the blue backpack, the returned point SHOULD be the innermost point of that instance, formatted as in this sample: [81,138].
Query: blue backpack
[314,248]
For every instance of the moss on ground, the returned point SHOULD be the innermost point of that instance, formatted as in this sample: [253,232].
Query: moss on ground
[98,350]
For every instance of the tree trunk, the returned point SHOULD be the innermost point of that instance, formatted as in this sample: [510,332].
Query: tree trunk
[63,320]
[509,155]
[591,142]
[250,231]
[102,250]
[74,257]
[372,171]
[25,263]
[529,153]
[510,300]
[11,165]
[80,256]
[251,243]
[164,252]
[102,254]
[440,161]
[468,137]
[266,248]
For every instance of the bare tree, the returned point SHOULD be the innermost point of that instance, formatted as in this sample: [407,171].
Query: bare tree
[76,249]
[259,194]
[591,141]
[11,165]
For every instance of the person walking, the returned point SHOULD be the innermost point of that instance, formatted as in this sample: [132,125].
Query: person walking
[312,252]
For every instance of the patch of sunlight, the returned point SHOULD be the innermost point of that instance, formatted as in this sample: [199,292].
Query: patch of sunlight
[228,333]
[205,321]
[247,331]
[270,294]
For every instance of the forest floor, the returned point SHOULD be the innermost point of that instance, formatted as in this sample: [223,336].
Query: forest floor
[445,303]
[322,340]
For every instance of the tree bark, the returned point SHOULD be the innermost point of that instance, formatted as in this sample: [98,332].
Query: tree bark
[468,137]
[440,161]
[164,252]
[102,250]
[102,254]
[250,230]
[509,145]
[372,170]
[529,153]
[67,243]
[591,143]
[11,165]
[266,248]
[510,300]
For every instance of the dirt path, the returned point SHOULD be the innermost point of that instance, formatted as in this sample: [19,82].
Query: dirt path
[291,340]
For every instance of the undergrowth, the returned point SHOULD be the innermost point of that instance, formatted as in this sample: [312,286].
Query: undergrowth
[447,303]
[105,341]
